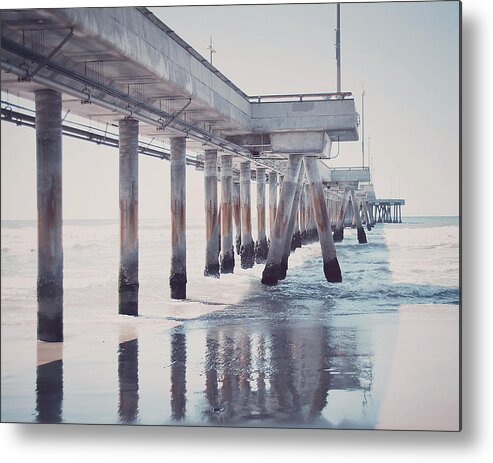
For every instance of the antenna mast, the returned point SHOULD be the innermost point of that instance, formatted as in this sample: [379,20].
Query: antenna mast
[338,47]
[211,50]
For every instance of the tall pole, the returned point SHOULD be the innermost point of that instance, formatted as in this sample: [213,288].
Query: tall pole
[363,128]
[338,47]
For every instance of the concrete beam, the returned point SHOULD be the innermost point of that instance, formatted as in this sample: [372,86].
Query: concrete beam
[48,105]
[178,275]
[128,279]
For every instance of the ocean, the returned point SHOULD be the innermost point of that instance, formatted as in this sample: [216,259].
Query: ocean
[304,353]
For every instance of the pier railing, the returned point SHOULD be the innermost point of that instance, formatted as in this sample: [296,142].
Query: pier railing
[300,97]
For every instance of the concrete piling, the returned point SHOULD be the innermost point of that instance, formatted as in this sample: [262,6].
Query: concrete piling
[48,104]
[288,243]
[270,275]
[227,252]
[339,226]
[178,275]
[247,251]
[357,219]
[272,200]
[332,270]
[261,247]
[211,214]
[128,279]
[237,212]
[367,215]
[302,214]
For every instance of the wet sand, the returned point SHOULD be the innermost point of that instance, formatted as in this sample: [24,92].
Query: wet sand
[397,369]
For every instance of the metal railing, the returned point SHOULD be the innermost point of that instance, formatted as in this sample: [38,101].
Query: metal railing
[300,97]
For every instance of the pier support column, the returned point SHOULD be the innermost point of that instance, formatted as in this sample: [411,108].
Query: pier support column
[261,247]
[302,214]
[270,275]
[400,214]
[237,212]
[178,275]
[339,230]
[227,252]
[367,215]
[128,279]
[247,251]
[357,219]
[272,200]
[211,215]
[49,201]
[332,270]
[288,245]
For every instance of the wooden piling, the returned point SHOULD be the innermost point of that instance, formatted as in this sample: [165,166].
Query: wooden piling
[178,274]
[270,275]
[48,104]
[261,246]
[332,270]
[211,214]
[247,251]
[227,252]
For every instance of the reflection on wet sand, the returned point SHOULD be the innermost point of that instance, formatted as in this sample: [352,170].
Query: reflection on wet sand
[128,381]
[49,392]
[277,373]
[178,376]
[281,376]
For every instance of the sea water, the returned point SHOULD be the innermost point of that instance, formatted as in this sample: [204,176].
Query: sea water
[302,353]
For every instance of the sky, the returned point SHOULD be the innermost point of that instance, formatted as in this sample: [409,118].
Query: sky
[404,54]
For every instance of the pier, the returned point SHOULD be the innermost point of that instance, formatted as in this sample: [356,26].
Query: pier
[102,64]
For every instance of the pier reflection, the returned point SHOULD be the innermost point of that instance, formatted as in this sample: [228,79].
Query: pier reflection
[178,376]
[49,383]
[128,381]
[280,374]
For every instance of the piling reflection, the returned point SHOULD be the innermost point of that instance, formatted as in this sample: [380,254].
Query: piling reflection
[282,375]
[49,383]
[128,381]
[178,376]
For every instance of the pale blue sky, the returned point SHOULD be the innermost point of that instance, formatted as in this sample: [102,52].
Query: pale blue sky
[405,54]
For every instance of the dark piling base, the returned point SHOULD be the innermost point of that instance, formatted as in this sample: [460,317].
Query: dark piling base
[212,270]
[361,236]
[247,254]
[228,262]
[50,311]
[128,298]
[238,245]
[270,275]
[338,235]
[261,251]
[332,271]
[296,241]
[50,329]
[283,269]
[178,285]
[368,227]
